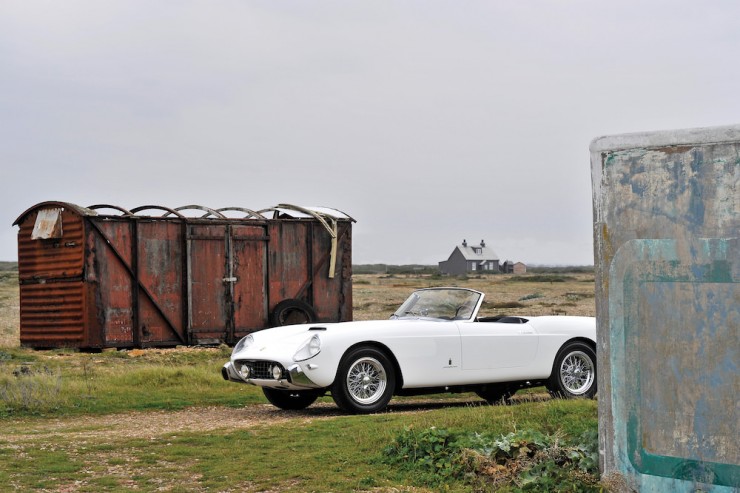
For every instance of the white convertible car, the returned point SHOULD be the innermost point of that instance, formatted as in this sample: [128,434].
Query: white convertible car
[434,343]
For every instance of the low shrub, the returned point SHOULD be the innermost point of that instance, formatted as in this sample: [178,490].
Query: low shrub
[532,296]
[525,460]
[508,304]
[541,278]
[30,389]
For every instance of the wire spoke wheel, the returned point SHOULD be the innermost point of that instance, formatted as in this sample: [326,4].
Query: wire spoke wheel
[574,371]
[366,380]
[577,372]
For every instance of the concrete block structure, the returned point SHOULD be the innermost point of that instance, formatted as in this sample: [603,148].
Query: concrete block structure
[667,256]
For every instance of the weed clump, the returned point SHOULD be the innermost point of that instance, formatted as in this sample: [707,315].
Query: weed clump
[542,278]
[30,389]
[532,296]
[525,460]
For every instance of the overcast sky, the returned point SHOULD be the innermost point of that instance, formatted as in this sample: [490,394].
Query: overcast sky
[427,121]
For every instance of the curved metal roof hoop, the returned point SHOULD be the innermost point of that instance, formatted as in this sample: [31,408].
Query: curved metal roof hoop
[331,229]
[318,216]
[208,210]
[248,212]
[125,212]
[136,210]
[341,212]
[82,211]
[273,209]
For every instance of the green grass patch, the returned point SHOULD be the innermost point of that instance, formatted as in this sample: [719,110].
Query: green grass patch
[308,453]
[68,383]
[532,296]
[506,304]
[542,278]
[39,468]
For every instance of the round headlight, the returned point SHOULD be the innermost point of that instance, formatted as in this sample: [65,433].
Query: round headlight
[243,343]
[276,372]
[244,371]
[309,349]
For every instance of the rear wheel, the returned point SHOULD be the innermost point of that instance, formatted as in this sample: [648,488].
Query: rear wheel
[365,381]
[291,400]
[574,372]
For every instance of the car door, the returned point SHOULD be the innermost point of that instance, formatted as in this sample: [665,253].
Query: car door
[428,352]
[495,345]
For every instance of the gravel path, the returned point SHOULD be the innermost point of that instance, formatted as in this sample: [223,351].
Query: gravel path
[149,424]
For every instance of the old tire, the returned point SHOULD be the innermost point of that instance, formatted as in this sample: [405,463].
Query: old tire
[365,381]
[290,400]
[574,372]
[292,312]
[495,393]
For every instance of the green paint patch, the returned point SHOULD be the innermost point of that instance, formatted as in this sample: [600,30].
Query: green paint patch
[674,339]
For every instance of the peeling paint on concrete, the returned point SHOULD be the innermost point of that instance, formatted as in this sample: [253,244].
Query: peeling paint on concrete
[667,222]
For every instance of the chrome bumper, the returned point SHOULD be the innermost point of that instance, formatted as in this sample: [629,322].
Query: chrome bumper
[297,379]
[229,373]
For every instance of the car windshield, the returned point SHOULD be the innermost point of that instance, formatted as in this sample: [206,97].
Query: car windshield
[440,303]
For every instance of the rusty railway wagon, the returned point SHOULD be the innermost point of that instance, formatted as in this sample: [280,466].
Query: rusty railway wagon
[106,277]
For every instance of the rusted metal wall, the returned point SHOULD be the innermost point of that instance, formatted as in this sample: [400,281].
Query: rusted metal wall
[52,291]
[127,279]
[667,249]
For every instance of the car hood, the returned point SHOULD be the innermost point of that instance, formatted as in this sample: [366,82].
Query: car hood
[301,332]
[295,335]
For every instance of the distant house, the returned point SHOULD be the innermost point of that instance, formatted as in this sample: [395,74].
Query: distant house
[470,258]
[510,267]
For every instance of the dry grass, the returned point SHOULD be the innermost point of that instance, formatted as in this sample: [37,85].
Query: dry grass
[10,309]
[377,296]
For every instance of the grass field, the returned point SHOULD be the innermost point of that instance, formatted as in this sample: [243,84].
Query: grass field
[165,420]
[9,309]
[377,296]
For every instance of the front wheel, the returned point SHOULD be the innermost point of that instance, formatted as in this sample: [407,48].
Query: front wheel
[574,372]
[291,400]
[365,381]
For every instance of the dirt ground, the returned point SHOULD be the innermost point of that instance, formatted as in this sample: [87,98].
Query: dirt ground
[151,424]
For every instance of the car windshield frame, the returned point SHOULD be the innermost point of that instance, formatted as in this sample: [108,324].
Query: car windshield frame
[461,304]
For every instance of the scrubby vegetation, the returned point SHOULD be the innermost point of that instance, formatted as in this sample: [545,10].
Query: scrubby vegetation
[523,460]
[413,269]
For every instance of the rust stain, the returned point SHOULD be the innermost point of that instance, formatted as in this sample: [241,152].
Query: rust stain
[675,149]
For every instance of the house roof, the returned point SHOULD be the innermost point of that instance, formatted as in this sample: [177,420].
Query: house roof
[469,252]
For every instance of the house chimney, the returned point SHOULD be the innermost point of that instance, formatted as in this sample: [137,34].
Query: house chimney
[465,243]
[482,243]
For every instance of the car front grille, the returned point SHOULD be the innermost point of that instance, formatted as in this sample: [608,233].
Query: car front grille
[259,370]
